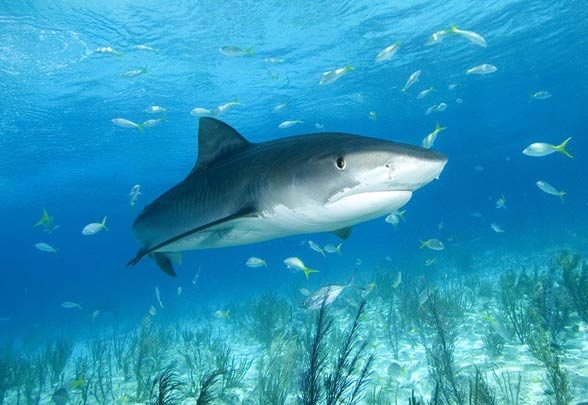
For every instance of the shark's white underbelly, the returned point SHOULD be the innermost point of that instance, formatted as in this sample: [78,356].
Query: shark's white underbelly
[281,221]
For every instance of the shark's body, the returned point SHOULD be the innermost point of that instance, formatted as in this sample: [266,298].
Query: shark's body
[241,192]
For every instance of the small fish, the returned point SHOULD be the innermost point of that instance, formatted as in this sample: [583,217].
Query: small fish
[424,296]
[220,314]
[429,140]
[294,264]
[70,305]
[539,149]
[325,295]
[334,75]
[549,189]
[314,246]
[158,297]
[201,112]
[145,48]
[318,125]
[288,124]
[441,107]
[94,228]
[196,277]
[279,107]
[125,123]
[95,314]
[274,60]
[425,93]
[272,75]
[441,226]
[471,36]
[452,86]
[412,79]
[501,202]
[330,248]
[255,262]
[155,109]
[358,262]
[437,37]
[45,247]
[496,228]
[387,53]
[393,219]
[459,100]
[397,280]
[47,222]
[304,291]
[372,115]
[152,311]
[134,72]
[431,109]
[151,123]
[540,95]
[235,51]
[60,396]
[179,291]
[365,291]
[483,69]
[108,50]
[223,108]
[433,244]
[134,194]
[430,262]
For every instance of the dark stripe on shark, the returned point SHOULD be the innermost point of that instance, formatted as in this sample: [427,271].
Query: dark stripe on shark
[163,262]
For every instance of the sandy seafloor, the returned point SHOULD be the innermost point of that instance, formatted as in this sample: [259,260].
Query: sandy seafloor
[393,380]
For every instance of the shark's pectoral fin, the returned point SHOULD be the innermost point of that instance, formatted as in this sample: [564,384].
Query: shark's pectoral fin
[164,259]
[342,233]
[164,262]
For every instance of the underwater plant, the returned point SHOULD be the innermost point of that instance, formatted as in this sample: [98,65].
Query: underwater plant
[122,352]
[232,370]
[56,355]
[83,378]
[143,360]
[441,316]
[7,371]
[34,376]
[510,389]
[276,370]
[575,280]
[543,350]
[339,380]
[514,301]
[480,392]
[267,318]
[493,342]
[166,388]
[101,388]
[310,379]
[207,392]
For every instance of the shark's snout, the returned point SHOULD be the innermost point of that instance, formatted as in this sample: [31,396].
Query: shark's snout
[412,172]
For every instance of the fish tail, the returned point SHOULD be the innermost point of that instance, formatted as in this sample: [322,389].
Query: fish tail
[348,68]
[104,224]
[424,244]
[323,253]
[561,148]
[439,128]
[561,196]
[308,271]
[453,29]
[140,128]
[44,218]
[339,249]
[401,215]
[249,51]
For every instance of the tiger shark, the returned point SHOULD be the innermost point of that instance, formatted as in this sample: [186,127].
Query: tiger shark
[240,192]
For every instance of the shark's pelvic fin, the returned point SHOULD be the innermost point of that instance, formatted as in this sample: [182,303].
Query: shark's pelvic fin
[342,233]
[164,260]
[216,140]
[164,263]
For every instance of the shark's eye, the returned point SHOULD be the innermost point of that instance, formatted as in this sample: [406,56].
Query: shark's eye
[341,163]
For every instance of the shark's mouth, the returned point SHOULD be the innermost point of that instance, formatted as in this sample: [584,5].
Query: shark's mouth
[363,205]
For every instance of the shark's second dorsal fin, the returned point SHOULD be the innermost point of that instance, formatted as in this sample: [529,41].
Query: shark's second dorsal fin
[215,141]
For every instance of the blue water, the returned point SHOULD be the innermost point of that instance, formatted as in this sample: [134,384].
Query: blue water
[60,150]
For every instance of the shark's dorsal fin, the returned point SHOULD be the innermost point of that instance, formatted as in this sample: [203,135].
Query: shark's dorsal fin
[215,141]
[342,233]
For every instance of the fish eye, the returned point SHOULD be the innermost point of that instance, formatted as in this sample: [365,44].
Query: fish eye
[340,162]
